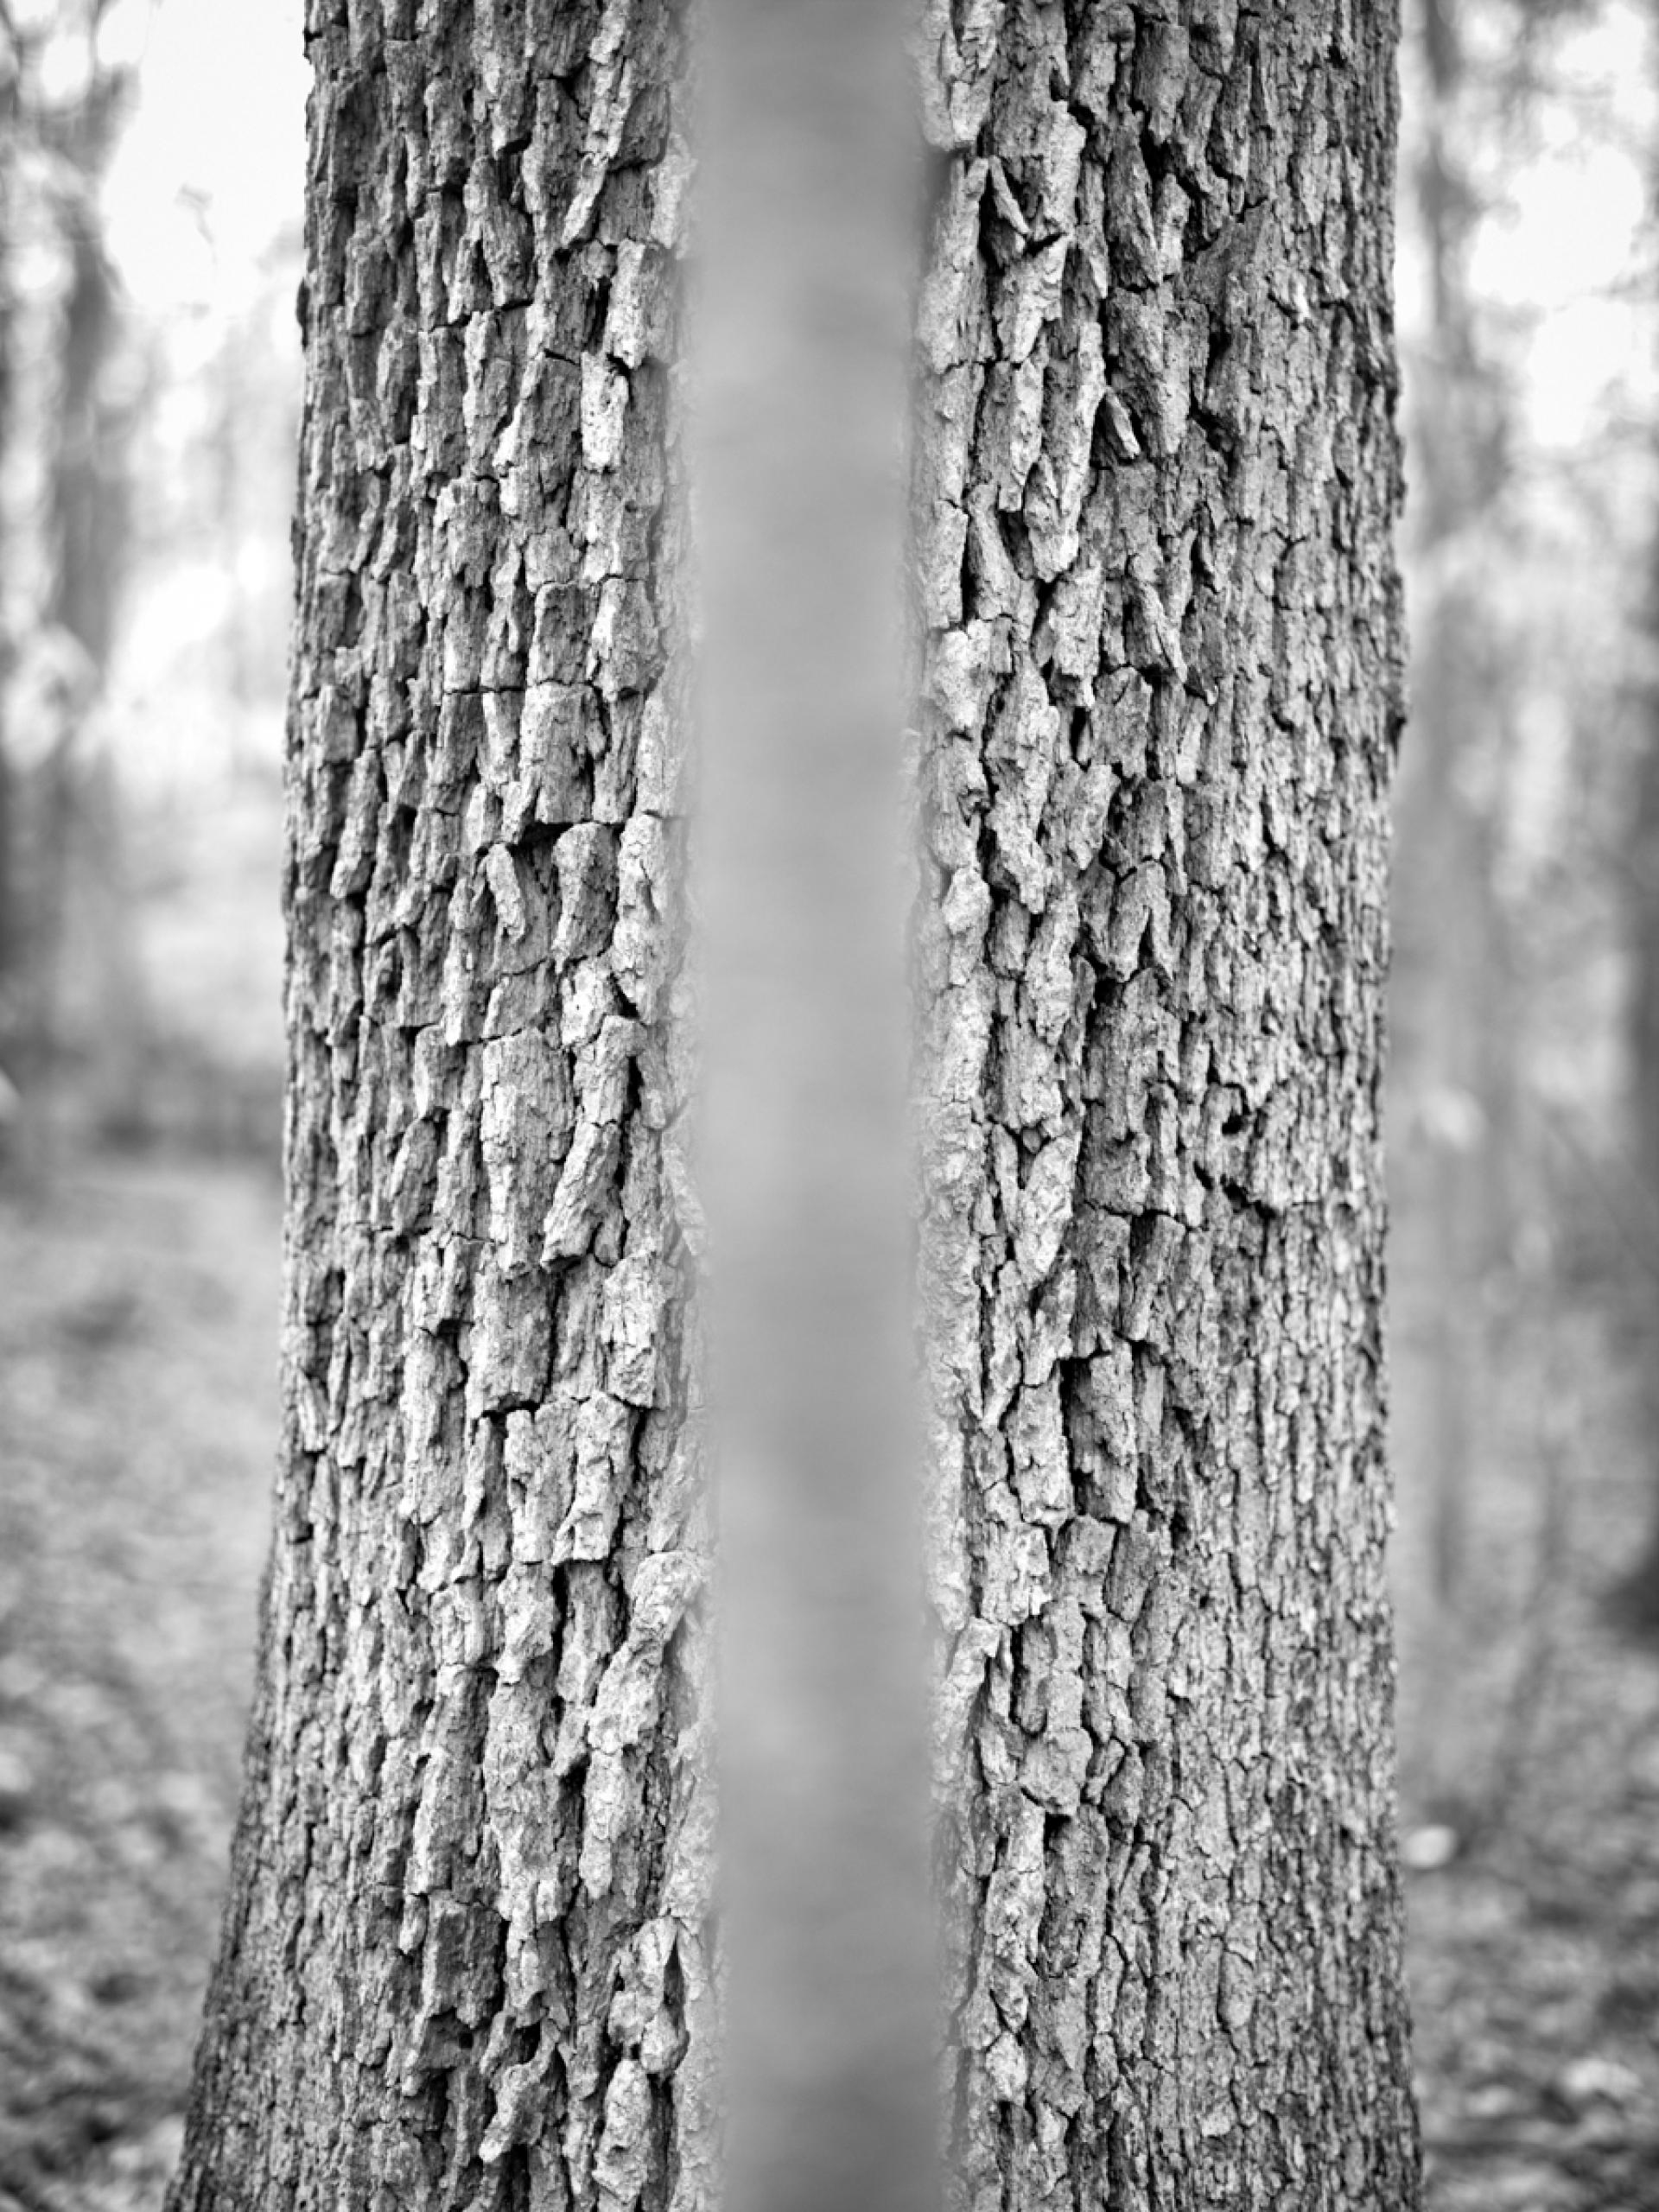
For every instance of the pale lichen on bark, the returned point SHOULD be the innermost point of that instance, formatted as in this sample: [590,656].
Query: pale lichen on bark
[465,1960]
[1156,475]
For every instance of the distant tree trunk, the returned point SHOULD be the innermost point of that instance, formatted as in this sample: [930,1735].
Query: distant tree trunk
[1158,475]
[1637,1597]
[10,937]
[91,1024]
[808,251]
[87,520]
[75,1002]
[467,1955]
[1454,1060]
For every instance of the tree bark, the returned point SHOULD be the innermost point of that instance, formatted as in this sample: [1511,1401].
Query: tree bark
[1457,1062]
[465,1959]
[464,1962]
[1159,471]
[71,1007]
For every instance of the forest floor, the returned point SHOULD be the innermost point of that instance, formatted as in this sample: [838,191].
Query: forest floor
[137,1419]
[1531,1805]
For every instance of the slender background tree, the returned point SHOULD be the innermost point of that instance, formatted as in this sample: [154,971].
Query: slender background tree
[70,1002]
[808,251]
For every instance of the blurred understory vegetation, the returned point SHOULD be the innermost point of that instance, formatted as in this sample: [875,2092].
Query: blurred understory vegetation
[148,397]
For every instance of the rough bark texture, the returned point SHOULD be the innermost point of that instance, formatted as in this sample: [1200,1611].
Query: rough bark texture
[464,1943]
[465,1962]
[1158,476]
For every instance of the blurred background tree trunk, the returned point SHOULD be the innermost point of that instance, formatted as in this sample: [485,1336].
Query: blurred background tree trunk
[1636,1597]
[1482,1193]
[75,1025]
[13,969]
[1452,1075]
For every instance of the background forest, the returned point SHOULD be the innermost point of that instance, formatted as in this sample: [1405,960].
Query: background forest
[150,182]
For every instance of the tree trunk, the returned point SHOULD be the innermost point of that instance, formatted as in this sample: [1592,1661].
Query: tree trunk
[1635,1599]
[1159,473]
[70,1005]
[463,1962]
[808,246]
[11,936]
[1457,1064]
[465,1959]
